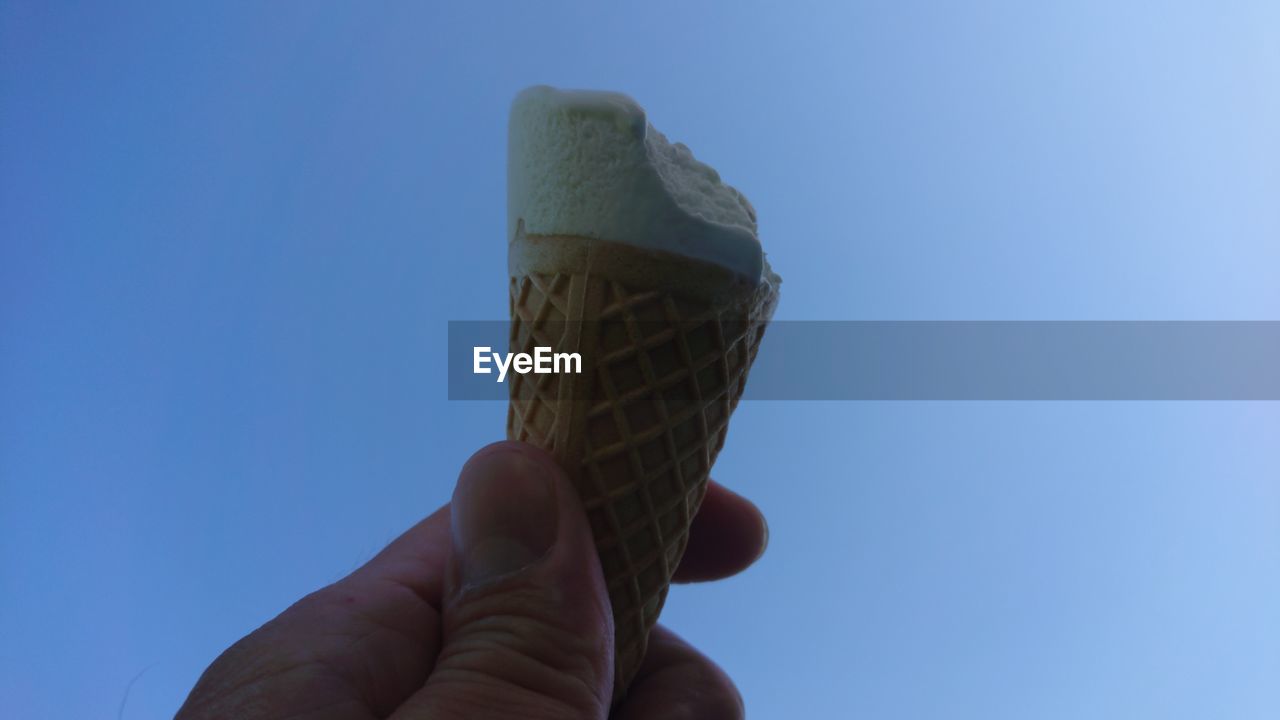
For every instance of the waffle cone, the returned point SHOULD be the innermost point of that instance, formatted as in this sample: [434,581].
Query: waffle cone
[666,343]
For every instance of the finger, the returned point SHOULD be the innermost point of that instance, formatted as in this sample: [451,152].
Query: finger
[677,681]
[356,648]
[728,534]
[415,560]
[526,620]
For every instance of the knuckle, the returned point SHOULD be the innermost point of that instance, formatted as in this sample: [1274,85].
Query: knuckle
[521,642]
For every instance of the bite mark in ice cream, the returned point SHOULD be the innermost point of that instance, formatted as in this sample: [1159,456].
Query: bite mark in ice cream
[588,163]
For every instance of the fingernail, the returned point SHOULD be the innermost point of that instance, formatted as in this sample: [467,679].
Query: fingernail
[503,514]
[764,543]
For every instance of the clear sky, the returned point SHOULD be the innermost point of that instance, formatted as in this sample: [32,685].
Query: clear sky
[232,233]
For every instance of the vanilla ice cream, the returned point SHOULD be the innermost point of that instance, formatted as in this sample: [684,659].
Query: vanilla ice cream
[588,164]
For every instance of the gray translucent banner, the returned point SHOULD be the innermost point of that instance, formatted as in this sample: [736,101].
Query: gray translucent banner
[970,360]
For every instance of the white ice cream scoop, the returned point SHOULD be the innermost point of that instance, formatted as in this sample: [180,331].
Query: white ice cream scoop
[588,164]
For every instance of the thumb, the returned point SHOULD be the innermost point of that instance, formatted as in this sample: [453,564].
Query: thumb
[527,627]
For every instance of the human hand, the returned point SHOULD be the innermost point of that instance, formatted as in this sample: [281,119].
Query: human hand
[492,607]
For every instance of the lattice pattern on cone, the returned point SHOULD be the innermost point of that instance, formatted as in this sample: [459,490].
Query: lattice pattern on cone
[662,375]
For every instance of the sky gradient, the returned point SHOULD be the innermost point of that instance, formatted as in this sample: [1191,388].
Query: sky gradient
[232,235]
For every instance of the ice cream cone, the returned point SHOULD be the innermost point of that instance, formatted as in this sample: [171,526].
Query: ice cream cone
[666,342]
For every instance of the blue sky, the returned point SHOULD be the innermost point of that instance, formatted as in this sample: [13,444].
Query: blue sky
[231,237]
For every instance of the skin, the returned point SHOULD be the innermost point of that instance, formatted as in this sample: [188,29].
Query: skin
[405,637]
